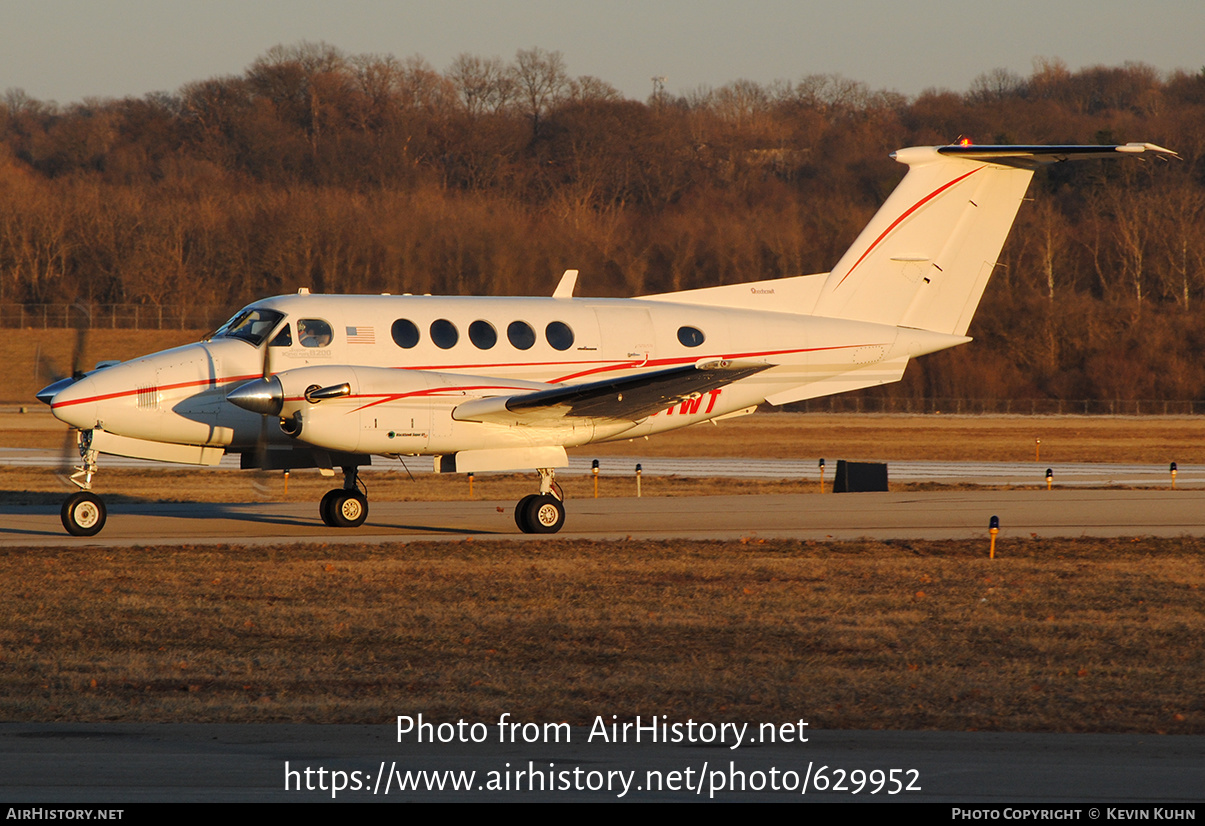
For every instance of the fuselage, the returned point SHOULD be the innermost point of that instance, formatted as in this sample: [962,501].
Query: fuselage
[418,357]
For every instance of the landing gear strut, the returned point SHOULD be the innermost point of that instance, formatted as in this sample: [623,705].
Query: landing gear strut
[542,512]
[345,507]
[84,513]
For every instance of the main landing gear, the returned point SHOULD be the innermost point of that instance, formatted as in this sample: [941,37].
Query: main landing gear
[84,513]
[542,512]
[345,507]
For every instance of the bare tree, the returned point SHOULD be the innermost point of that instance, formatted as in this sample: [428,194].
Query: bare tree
[482,84]
[590,89]
[1182,239]
[996,85]
[297,80]
[541,80]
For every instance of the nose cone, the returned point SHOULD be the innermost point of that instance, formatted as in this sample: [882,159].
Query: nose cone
[263,396]
[73,401]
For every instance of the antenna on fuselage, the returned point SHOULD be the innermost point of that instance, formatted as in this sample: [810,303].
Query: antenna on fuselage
[565,288]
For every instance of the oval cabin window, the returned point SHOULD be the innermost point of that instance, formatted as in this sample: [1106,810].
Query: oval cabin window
[405,333]
[521,336]
[559,335]
[483,335]
[444,333]
[690,336]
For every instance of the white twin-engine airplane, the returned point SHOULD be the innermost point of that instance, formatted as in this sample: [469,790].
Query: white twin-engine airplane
[487,384]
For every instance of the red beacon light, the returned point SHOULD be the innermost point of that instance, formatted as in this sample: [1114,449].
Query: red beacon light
[964,141]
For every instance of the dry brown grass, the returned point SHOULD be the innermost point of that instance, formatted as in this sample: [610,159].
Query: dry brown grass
[1056,635]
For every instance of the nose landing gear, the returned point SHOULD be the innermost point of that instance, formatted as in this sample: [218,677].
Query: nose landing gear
[84,513]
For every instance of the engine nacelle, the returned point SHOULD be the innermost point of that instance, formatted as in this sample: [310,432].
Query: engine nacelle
[374,409]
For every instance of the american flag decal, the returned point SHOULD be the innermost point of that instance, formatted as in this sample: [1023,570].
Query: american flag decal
[361,335]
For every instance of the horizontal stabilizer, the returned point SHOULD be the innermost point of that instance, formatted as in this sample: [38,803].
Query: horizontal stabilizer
[1031,157]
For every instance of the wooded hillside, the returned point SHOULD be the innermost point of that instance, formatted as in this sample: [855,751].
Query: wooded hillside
[365,173]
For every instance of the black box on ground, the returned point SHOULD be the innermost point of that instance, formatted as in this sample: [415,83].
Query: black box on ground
[860,477]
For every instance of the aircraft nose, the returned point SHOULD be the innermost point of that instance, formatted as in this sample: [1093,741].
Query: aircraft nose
[73,401]
[263,396]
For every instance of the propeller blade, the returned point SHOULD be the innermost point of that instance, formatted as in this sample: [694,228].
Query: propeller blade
[260,482]
[68,456]
[45,370]
[83,323]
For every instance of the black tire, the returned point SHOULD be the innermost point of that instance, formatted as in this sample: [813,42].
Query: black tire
[83,514]
[545,514]
[324,507]
[348,509]
[521,519]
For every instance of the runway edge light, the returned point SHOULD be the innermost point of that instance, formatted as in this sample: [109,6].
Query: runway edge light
[993,528]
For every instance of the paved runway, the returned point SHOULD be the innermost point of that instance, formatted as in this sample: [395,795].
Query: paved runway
[919,515]
[1001,474]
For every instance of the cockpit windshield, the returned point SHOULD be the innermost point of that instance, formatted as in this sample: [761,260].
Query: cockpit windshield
[253,325]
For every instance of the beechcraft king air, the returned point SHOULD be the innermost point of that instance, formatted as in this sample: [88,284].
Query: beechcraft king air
[486,383]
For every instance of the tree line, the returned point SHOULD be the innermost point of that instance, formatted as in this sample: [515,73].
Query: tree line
[369,173]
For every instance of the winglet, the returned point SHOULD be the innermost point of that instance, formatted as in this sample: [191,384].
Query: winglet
[565,288]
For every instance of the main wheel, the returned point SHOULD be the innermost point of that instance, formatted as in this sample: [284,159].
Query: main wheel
[545,514]
[348,509]
[521,517]
[83,514]
[324,507]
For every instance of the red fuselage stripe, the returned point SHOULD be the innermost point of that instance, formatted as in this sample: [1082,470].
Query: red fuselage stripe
[214,382]
[624,365]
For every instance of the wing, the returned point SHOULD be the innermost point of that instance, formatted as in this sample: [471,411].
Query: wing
[627,399]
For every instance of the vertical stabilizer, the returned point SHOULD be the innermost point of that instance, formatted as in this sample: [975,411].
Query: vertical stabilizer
[926,256]
[924,259]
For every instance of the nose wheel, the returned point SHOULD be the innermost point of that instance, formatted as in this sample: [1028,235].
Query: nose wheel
[83,514]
